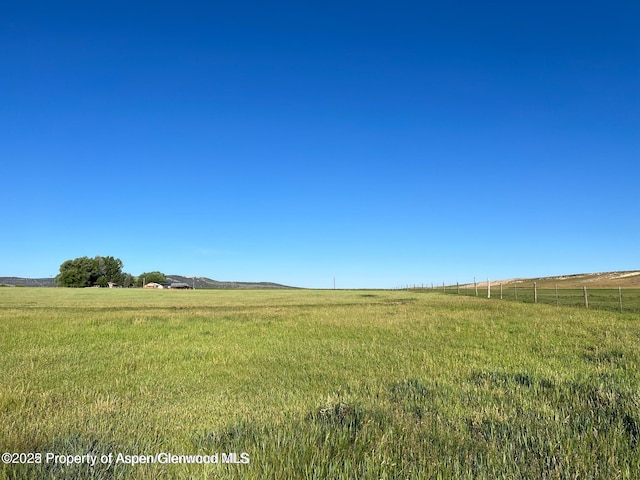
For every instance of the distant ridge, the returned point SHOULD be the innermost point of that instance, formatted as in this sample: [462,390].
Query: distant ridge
[198,282]
[27,282]
[204,282]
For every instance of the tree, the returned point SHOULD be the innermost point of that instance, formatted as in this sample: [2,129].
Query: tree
[127,280]
[149,277]
[87,272]
[80,272]
[110,270]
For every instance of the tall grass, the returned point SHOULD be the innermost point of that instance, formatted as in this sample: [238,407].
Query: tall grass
[317,384]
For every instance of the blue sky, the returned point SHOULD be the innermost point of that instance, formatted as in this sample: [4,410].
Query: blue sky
[380,143]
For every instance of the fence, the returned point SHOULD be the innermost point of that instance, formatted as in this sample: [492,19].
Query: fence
[626,300]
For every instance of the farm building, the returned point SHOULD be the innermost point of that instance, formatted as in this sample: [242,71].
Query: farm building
[153,285]
[180,286]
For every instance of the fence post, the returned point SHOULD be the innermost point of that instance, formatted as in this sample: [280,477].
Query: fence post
[620,296]
[500,291]
[535,292]
[475,285]
[586,300]
[488,288]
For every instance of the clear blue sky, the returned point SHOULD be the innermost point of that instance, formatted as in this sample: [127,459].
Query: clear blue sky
[381,143]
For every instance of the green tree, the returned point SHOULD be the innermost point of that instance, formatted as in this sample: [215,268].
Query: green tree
[79,272]
[127,280]
[149,277]
[109,270]
[87,272]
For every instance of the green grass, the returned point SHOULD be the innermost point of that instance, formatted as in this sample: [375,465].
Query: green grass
[597,298]
[318,384]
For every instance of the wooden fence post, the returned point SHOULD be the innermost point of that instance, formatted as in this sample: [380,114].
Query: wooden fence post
[488,288]
[620,297]
[500,291]
[586,299]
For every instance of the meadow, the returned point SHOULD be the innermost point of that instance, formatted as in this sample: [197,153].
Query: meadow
[625,300]
[315,385]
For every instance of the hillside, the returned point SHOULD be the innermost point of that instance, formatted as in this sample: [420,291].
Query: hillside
[27,282]
[204,282]
[624,279]
[198,282]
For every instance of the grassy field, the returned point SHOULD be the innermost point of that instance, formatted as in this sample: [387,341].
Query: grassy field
[597,298]
[315,385]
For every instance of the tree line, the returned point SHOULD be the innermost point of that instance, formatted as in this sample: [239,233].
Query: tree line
[101,271]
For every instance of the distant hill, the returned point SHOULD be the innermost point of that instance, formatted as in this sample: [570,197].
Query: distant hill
[198,282]
[27,282]
[624,279]
[204,282]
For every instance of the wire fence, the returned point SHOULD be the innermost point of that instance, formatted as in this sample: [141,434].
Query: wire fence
[625,300]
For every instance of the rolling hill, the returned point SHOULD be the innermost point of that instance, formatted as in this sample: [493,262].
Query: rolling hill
[27,282]
[624,279]
[204,282]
